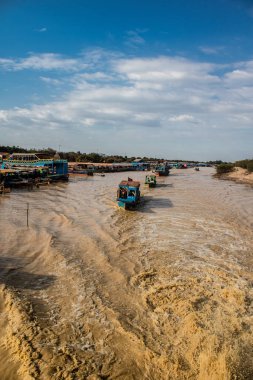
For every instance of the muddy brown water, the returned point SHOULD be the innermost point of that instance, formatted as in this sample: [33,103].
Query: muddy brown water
[90,291]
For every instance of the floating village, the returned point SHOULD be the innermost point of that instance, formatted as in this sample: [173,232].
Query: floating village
[32,170]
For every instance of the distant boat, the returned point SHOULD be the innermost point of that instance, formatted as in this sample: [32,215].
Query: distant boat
[128,194]
[162,169]
[182,166]
[150,180]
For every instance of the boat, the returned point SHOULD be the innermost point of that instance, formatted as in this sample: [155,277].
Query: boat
[128,194]
[81,168]
[54,167]
[162,169]
[22,178]
[182,166]
[150,180]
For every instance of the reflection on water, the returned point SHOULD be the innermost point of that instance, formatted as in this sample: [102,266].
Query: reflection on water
[163,292]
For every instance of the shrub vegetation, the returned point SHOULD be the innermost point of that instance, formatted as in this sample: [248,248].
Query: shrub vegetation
[250,166]
[245,164]
[224,168]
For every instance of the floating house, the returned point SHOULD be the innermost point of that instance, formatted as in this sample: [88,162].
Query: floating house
[140,165]
[56,168]
[128,194]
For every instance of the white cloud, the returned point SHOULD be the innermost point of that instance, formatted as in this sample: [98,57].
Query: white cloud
[211,50]
[142,99]
[3,115]
[41,30]
[5,62]
[95,76]
[134,38]
[52,81]
[168,69]
[42,62]
[181,118]
[241,74]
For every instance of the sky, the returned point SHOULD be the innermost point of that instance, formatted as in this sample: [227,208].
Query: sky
[163,78]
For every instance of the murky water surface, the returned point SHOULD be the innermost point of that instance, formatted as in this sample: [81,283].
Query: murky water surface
[90,291]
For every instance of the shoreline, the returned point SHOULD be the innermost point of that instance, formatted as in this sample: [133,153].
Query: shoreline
[239,175]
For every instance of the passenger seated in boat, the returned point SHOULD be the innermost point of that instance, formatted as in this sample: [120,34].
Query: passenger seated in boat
[123,193]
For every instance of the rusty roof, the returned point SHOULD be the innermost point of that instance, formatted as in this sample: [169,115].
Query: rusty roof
[130,183]
[6,171]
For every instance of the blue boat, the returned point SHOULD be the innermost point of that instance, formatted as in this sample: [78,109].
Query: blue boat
[128,194]
[162,169]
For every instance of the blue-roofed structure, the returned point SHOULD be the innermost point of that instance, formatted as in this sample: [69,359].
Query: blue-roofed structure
[57,168]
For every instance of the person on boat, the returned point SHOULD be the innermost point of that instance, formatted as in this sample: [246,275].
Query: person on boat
[123,193]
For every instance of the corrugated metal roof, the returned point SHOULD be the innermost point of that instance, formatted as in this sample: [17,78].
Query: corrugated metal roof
[130,183]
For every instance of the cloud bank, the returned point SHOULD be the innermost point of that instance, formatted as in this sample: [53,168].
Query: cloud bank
[154,105]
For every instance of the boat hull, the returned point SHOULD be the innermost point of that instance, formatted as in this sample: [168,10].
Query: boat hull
[162,174]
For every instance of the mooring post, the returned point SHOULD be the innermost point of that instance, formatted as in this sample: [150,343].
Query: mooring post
[27,215]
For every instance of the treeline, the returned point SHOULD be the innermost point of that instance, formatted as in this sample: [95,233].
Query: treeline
[14,149]
[91,157]
[229,167]
[76,156]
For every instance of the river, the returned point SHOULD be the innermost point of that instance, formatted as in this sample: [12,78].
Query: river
[91,291]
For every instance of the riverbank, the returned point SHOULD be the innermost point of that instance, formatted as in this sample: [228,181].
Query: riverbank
[239,175]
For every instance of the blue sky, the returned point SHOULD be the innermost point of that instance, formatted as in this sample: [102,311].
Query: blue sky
[159,78]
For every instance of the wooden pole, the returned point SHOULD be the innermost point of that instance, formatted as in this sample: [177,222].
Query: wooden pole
[27,215]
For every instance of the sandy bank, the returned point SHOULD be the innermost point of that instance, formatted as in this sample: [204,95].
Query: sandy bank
[239,175]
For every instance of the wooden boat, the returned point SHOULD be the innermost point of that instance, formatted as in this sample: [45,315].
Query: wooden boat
[128,194]
[150,180]
[162,169]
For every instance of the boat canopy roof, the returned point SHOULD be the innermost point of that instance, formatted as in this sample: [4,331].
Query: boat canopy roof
[23,154]
[151,176]
[130,183]
[31,156]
